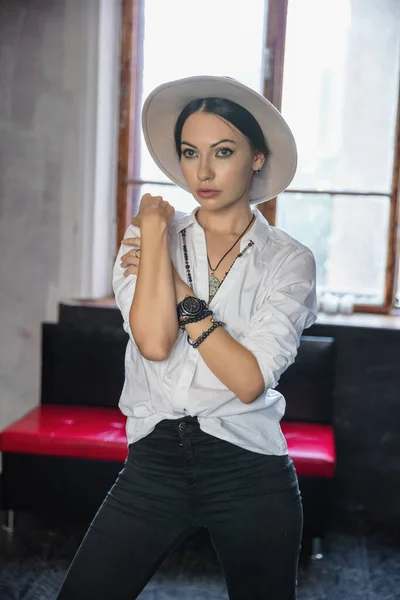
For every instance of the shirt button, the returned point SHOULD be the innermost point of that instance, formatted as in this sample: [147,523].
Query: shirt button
[182,426]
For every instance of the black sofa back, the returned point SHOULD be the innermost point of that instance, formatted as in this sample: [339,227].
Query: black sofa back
[308,384]
[84,366]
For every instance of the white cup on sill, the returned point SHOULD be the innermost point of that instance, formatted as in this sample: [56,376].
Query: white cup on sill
[346,304]
[330,303]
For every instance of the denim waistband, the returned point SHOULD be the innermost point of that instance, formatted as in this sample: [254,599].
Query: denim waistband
[174,423]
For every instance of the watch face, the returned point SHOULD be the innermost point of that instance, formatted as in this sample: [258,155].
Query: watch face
[191,305]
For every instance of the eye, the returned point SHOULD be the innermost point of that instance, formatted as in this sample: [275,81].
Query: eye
[186,154]
[224,152]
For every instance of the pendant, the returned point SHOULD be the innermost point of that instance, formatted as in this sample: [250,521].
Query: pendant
[214,284]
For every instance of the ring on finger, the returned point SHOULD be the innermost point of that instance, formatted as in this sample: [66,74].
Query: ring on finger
[136,252]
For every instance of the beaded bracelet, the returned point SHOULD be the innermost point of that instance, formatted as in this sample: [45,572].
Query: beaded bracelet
[200,317]
[204,334]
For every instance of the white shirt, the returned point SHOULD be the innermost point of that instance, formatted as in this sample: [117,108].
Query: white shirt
[266,300]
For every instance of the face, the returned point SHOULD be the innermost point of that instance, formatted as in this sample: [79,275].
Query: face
[217,161]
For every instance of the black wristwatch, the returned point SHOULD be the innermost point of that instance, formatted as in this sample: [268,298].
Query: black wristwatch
[191,307]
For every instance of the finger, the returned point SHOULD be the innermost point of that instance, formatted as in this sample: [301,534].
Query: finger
[146,196]
[130,271]
[149,198]
[135,221]
[130,258]
[129,262]
[131,255]
[157,201]
[131,241]
[130,268]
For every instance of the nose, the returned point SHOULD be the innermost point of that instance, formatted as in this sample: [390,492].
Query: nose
[205,171]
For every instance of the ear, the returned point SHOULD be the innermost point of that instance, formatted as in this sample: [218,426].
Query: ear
[258,161]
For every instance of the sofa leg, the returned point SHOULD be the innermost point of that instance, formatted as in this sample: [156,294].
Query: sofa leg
[316,549]
[8,523]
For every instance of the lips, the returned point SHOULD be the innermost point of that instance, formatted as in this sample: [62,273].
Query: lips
[208,193]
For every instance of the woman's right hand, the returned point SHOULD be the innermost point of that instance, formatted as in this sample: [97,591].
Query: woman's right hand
[153,209]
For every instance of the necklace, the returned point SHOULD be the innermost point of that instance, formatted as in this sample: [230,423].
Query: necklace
[213,282]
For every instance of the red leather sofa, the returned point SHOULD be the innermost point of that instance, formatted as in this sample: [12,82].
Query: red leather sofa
[63,455]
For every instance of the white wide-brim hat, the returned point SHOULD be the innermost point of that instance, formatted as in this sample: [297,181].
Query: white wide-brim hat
[164,104]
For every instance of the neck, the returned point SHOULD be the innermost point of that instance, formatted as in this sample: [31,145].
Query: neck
[227,222]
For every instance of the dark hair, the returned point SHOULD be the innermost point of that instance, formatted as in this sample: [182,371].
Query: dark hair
[241,118]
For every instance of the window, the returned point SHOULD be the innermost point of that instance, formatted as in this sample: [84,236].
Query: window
[192,43]
[340,96]
[332,68]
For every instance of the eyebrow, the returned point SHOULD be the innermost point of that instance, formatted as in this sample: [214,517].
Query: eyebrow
[212,145]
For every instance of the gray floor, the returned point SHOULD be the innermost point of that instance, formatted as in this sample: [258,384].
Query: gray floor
[361,562]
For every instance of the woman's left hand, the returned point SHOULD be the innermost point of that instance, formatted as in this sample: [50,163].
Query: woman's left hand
[130,262]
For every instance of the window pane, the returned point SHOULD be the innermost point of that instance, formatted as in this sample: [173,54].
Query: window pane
[340,91]
[185,38]
[347,235]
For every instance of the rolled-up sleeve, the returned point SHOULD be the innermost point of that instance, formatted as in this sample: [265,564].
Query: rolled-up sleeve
[289,307]
[124,287]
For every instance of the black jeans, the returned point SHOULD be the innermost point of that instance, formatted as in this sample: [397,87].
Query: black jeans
[175,481]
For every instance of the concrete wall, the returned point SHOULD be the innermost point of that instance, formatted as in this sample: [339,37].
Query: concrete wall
[49,126]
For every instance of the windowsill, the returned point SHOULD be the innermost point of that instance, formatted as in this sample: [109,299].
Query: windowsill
[366,320]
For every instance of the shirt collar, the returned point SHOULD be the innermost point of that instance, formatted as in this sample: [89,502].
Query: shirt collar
[258,232]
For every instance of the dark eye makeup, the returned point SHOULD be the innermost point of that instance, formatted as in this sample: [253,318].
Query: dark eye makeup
[226,152]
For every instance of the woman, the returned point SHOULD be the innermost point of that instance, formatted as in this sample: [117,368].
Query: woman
[214,302]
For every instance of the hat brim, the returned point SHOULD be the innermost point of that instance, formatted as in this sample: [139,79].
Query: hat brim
[164,104]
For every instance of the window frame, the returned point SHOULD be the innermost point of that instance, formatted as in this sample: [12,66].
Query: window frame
[132,36]
[131,61]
